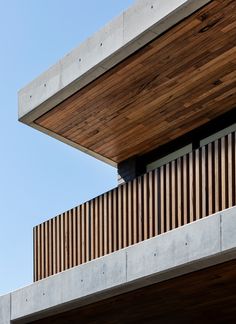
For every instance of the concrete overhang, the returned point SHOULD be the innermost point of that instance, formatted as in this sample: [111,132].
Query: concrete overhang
[189,248]
[49,99]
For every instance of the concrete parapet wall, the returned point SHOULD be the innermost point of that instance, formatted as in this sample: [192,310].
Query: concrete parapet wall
[203,243]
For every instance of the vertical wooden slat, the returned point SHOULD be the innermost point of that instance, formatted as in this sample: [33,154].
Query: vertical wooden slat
[230,170]
[197,184]
[150,204]
[66,238]
[156,202]
[145,199]
[96,228]
[120,210]
[216,176]
[135,211]
[92,229]
[78,222]
[39,251]
[74,244]
[46,257]
[115,215]
[179,189]
[162,200]
[190,188]
[210,180]
[124,215]
[223,171]
[173,194]
[203,181]
[185,190]
[140,210]
[87,231]
[58,245]
[54,243]
[167,197]
[42,243]
[110,223]
[35,256]
[130,212]
[62,237]
[70,240]
[105,226]
[101,226]
[82,216]
[50,252]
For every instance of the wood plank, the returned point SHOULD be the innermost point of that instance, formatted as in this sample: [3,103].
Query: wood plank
[179,192]
[145,199]
[79,241]
[115,219]
[97,227]
[140,209]
[74,241]
[135,211]
[110,223]
[87,232]
[156,202]
[130,213]
[191,187]
[230,170]
[54,242]
[223,173]
[151,199]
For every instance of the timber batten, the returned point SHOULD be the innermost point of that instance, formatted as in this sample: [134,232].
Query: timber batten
[195,185]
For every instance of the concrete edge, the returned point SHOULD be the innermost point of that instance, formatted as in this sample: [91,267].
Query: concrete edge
[119,39]
[197,245]
[5,309]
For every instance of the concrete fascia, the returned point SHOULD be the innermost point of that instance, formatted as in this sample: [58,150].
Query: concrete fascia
[197,245]
[5,309]
[124,35]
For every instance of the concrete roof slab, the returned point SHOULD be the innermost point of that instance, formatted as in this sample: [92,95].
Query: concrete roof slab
[124,35]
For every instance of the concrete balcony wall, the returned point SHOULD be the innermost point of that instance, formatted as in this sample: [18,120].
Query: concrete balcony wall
[195,246]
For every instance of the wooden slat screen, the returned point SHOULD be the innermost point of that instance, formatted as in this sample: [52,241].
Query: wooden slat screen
[189,188]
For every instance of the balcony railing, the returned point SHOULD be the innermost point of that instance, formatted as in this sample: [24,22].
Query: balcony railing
[186,189]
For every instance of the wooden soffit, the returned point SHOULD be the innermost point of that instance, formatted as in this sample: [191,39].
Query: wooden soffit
[181,80]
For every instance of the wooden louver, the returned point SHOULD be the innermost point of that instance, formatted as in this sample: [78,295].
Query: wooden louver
[182,191]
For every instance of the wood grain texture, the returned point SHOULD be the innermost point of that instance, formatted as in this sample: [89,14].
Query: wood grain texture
[175,194]
[181,80]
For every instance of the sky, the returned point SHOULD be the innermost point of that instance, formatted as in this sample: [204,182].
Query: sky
[40,177]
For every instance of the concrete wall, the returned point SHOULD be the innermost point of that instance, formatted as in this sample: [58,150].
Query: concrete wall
[194,246]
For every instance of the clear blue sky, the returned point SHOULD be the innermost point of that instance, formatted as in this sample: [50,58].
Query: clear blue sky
[39,176]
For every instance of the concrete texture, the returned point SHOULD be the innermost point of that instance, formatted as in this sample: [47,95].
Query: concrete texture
[172,249]
[68,286]
[228,228]
[5,309]
[203,243]
[134,28]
